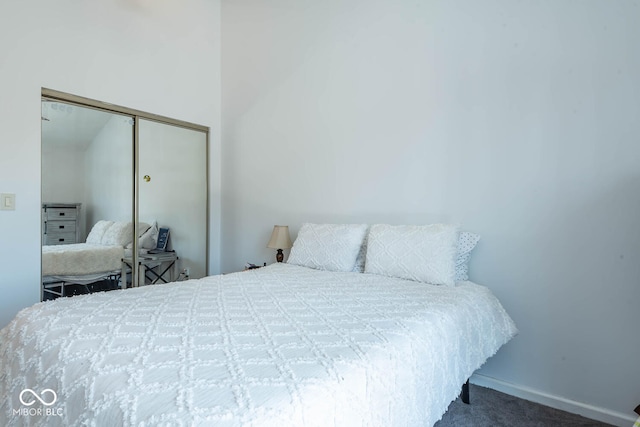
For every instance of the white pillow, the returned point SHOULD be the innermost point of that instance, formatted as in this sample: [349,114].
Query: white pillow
[466,242]
[149,239]
[97,232]
[424,253]
[332,247]
[119,234]
[144,230]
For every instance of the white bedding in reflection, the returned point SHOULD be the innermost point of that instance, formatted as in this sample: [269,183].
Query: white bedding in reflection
[80,259]
[276,346]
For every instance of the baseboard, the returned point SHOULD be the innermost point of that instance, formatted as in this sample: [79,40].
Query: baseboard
[589,411]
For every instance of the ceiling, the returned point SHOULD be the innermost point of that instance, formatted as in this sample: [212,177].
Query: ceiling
[70,126]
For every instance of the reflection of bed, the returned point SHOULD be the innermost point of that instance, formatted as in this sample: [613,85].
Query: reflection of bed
[279,345]
[81,263]
[85,263]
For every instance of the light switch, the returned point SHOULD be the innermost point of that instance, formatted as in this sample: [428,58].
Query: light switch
[7,202]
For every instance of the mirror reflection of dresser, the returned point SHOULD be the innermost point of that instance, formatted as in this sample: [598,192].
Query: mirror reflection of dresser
[61,223]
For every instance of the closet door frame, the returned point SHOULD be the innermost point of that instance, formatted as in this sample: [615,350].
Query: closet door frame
[137,115]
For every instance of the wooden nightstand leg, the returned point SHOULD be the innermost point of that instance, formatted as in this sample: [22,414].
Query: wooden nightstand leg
[142,275]
[123,276]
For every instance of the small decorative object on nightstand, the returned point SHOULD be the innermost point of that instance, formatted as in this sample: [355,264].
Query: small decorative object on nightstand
[280,240]
[249,266]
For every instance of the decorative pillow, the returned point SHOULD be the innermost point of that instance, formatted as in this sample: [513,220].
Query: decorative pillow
[424,253]
[149,239]
[144,231]
[332,247]
[98,230]
[466,242]
[119,234]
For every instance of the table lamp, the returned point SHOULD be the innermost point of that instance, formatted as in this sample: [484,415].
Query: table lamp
[280,240]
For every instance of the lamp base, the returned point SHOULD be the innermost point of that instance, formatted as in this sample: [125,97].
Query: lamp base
[279,256]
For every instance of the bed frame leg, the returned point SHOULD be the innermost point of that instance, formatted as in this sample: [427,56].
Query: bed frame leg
[465,392]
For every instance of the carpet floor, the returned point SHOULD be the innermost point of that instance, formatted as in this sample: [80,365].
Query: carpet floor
[490,408]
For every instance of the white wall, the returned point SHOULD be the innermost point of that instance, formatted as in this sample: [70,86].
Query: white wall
[161,56]
[517,119]
[63,176]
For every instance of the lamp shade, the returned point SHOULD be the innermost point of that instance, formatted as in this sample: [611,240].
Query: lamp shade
[280,237]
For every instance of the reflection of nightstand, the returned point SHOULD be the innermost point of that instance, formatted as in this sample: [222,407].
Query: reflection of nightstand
[155,268]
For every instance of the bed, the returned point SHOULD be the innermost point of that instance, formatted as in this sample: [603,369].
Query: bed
[276,346]
[80,263]
[100,258]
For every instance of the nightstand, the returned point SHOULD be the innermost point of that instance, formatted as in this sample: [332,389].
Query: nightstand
[154,268]
[249,266]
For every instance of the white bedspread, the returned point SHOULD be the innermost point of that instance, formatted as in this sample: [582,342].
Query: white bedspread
[80,259]
[276,346]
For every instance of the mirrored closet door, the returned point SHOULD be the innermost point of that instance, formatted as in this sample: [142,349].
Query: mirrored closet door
[87,175]
[124,197]
[172,191]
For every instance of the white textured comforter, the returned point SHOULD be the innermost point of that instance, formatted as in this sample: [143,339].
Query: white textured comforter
[277,346]
[80,259]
